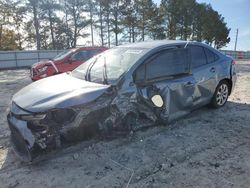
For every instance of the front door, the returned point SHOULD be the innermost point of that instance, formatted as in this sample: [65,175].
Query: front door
[166,76]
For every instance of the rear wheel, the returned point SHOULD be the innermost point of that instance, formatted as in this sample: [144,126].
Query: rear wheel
[221,95]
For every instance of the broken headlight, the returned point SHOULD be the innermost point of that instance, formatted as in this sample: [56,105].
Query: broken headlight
[33,117]
[43,69]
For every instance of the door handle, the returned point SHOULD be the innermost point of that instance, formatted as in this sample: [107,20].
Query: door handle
[189,84]
[212,69]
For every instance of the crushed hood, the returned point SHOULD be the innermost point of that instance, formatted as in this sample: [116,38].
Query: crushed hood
[58,91]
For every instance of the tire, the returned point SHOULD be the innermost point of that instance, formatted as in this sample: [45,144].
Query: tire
[220,95]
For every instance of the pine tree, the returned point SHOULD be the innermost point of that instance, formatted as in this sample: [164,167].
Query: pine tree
[33,5]
[49,15]
[76,20]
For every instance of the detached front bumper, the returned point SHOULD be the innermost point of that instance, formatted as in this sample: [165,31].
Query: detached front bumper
[29,140]
[22,138]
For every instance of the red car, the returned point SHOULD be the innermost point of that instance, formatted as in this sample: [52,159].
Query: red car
[63,62]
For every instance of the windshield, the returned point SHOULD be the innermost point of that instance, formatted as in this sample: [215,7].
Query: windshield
[62,55]
[109,66]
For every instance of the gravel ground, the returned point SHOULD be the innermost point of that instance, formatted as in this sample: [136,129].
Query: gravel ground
[208,148]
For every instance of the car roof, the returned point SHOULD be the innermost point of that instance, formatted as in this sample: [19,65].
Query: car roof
[154,44]
[89,48]
[159,43]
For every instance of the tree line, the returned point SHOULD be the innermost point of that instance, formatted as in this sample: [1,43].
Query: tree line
[63,24]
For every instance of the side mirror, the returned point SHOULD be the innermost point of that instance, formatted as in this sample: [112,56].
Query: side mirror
[157,101]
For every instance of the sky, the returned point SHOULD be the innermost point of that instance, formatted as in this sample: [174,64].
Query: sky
[237,16]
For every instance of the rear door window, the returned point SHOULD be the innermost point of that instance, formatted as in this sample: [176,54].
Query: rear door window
[211,57]
[198,57]
[167,63]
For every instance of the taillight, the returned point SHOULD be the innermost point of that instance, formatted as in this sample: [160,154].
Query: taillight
[233,62]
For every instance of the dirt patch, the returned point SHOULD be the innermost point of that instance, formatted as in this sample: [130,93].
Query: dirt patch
[208,148]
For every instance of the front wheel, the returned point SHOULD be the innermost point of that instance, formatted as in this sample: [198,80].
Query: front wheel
[221,95]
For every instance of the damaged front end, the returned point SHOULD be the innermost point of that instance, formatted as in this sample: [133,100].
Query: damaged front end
[28,133]
[33,134]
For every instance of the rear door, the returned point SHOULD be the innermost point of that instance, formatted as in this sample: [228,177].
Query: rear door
[166,74]
[205,68]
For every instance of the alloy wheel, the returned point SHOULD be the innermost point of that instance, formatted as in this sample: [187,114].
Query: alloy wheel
[222,94]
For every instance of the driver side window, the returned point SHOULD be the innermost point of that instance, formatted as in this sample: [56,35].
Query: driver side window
[81,55]
[164,64]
